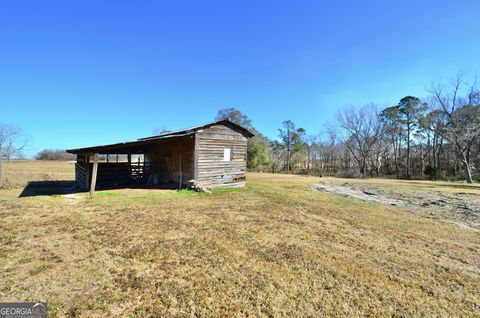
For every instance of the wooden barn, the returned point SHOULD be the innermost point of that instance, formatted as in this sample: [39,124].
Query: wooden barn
[210,155]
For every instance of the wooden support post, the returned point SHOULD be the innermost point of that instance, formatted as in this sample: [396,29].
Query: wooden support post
[107,157]
[94,174]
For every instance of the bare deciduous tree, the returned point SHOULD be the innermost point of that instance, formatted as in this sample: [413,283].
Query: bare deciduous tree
[364,128]
[460,103]
[12,141]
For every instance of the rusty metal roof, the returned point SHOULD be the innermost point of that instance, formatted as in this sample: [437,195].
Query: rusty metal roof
[138,146]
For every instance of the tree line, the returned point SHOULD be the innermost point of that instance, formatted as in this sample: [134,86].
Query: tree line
[434,138]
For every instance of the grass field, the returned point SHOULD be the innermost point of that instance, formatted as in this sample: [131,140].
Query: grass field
[19,173]
[277,248]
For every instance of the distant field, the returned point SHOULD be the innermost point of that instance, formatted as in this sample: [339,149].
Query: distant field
[276,248]
[18,173]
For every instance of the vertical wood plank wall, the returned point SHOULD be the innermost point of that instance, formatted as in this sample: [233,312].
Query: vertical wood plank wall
[212,169]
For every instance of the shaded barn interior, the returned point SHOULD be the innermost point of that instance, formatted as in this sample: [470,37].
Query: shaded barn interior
[213,155]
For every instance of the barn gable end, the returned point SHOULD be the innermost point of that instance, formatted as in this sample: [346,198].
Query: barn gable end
[212,145]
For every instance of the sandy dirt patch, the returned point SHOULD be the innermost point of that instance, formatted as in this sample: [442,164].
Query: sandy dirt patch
[460,208]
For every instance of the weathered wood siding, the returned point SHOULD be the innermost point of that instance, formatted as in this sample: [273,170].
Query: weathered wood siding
[169,160]
[80,173]
[212,170]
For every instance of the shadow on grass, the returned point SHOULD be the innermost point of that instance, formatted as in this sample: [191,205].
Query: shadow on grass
[40,188]
[61,187]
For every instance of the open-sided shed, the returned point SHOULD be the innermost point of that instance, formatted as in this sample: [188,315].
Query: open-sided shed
[214,154]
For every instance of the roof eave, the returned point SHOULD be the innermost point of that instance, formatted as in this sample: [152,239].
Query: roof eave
[247,132]
[122,145]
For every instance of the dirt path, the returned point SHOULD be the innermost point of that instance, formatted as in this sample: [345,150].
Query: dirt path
[462,209]
[358,194]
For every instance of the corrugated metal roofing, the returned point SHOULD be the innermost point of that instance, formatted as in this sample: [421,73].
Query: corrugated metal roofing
[147,140]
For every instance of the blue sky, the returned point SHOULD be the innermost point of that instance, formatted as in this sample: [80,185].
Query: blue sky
[79,73]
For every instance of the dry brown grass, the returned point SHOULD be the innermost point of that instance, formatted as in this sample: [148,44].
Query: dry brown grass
[20,172]
[276,248]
